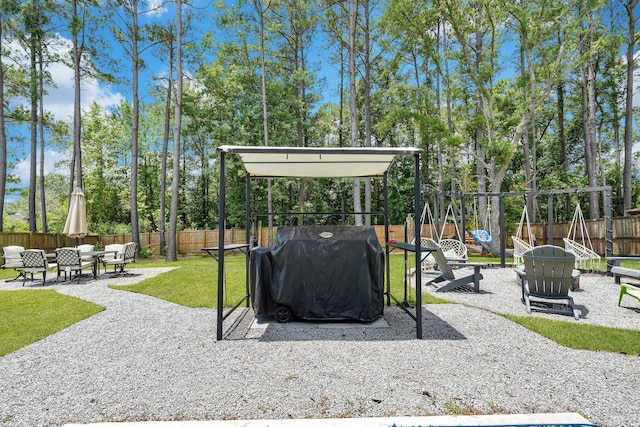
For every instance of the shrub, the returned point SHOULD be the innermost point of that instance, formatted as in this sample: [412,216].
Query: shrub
[145,251]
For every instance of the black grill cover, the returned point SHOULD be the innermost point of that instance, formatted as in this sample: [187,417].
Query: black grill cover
[320,273]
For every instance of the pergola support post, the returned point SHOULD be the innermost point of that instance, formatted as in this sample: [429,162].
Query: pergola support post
[221,220]
[416,217]
[387,265]
[248,235]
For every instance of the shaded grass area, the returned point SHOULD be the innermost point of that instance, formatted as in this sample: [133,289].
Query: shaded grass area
[583,337]
[195,283]
[30,315]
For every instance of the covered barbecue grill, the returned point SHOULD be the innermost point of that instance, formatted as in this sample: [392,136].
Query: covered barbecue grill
[319,273]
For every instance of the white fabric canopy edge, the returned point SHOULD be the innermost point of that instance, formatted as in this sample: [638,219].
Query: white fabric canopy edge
[317,162]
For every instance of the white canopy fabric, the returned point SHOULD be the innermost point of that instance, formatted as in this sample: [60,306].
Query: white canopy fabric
[76,224]
[316,162]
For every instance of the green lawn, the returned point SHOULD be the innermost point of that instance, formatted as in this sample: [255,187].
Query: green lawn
[584,337]
[194,283]
[30,315]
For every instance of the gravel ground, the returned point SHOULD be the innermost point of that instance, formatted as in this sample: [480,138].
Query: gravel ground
[148,359]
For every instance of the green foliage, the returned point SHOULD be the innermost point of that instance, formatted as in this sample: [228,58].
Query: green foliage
[145,251]
[455,86]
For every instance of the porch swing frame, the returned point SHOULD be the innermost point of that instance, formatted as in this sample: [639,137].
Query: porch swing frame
[427,262]
[501,235]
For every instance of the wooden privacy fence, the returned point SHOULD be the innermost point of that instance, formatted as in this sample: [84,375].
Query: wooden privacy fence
[190,242]
[626,237]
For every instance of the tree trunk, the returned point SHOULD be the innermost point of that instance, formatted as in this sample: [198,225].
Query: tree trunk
[33,47]
[3,138]
[367,103]
[481,171]
[135,233]
[77,118]
[590,142]
[441,35]
[177,126]
[43,199]
[628,124]
[528,174]
[447,83]
[165,148]
[265,114]
[353,107]
[562,144]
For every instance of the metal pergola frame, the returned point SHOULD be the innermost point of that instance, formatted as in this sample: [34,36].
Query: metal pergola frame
[354,162]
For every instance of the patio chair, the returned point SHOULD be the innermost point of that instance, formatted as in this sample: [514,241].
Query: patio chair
[12,259]
[127,256]
[35,261]
[70,261]
[86,248]
[627,289]
[548,275]
[113,251]
[454,278]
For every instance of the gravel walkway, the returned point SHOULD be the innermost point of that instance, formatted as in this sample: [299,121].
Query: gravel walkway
[148,359]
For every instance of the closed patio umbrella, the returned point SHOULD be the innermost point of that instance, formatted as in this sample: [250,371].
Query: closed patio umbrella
[76,224]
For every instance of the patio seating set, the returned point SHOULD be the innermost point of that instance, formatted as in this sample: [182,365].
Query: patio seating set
[67,261]
[547,277]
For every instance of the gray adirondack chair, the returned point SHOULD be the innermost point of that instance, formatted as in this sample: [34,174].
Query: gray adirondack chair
[454,278]
[548,274]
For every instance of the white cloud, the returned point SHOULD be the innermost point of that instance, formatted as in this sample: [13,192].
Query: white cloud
[59,99]
[51,157]
[156,7]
